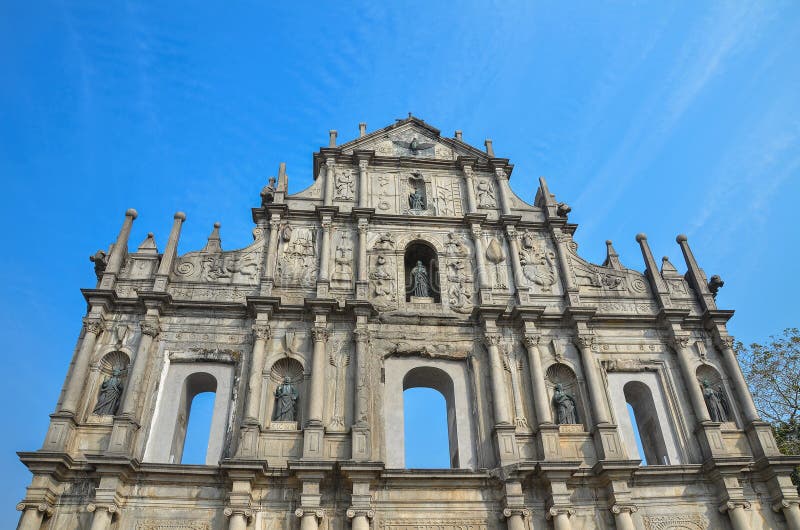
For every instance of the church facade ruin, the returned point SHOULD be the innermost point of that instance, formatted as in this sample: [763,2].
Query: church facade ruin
[408,263]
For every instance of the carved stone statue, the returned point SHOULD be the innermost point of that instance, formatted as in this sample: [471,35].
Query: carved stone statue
[344,185]
[714,285]
[268,193]
[416,200]
[285,402]
[110,395]
[100,261]
[420,283]
[566,410]
[485,194]
[716,402]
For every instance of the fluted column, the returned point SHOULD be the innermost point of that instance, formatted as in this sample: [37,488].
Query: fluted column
[591,371]
[133,388]
[480,255]
[469,180]
[261,333]
[118,252]
[622,516]
[171,250]
[502,189]
[737,513]
[541,403]
[499,395]
[745,399]
[516,266]
[315,402]
[329,176]
[102,516]
[681,345]
[77,378]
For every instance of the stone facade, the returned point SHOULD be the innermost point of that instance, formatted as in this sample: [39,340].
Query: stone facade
[309,336]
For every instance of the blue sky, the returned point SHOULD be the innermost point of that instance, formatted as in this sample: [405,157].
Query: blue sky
[656,117]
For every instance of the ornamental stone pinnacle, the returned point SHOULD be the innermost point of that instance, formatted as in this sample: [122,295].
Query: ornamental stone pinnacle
[408,263]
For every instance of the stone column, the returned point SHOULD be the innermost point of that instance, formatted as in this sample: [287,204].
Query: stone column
[360,407]
[516,266]
[270,255]
[681,345]
[309,519]
[791,510]
[77,378]
[499,395]
[515,518]
[469,180]
[32,515]
[261,333]
[541,402]
[317,391]
[363,226]
[622,516]
[363,192]
[237,519]
[168,258]
[324,251]
[745,399]
[562,240]
[737,513]
[360,518]
[329,176]
[480,255]
[118,252]
[102,515]
[133,386]
[502,189]
[560,517]
[591,371]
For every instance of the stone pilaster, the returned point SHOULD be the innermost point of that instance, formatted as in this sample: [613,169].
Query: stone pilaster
[330,175]
[480,256]
[93,326]
[502,190]
[360,431]
[314,431]
[363,178]
[261,334]
[362,282]
[516,266]
[469,183]
[237,518]
[499,394]
[323,281]
[270,255]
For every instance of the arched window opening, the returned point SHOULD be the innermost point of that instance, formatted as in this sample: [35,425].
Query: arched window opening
[198,429]
[646,423]
[421,273]
[194,385]
[424,389]
[425,418]
[639,448]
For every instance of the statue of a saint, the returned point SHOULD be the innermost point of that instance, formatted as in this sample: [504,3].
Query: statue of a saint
[416,201]
[285,402]
[110,394]
[420,284]
[268,193]
[566,410]
[716,402]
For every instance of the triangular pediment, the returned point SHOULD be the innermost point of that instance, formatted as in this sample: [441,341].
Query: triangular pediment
[412,138]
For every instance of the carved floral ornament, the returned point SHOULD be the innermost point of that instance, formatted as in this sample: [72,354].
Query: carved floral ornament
[492,339]
[531,340]
[320,333]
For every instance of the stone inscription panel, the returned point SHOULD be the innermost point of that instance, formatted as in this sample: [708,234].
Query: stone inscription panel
[434,525]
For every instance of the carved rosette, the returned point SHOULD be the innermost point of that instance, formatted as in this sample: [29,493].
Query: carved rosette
[93,325]
[262,331]
[151,329]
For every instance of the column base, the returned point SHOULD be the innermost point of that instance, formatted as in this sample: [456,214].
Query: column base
[313,442]
[761,439]
[506,443]
[361,442]
[121,440]
[549,440]
[608,443]
[248,441]
[60,433]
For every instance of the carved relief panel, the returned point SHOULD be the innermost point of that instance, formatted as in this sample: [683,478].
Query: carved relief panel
[297,256]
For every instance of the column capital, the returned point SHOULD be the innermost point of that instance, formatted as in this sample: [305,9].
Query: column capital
[320,333]
[111,508]
[93,325]
[679,341]
[531,339]
[492,339]
[363,225]
[244,512]
[262,331]
[723,340]
[585,340]
[302,512]
[784,504]
[730,505]
[624,508]
[352,512]
[361,334]
[501,173]
[510,511]
[511,232]
[42,507]
[149,328]
[555,511]
[476,230]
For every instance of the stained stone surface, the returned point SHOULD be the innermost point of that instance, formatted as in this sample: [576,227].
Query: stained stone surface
[319,299]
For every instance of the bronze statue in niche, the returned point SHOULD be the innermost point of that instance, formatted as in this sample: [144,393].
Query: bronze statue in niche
[110,395]
[566,409]
[285,401]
